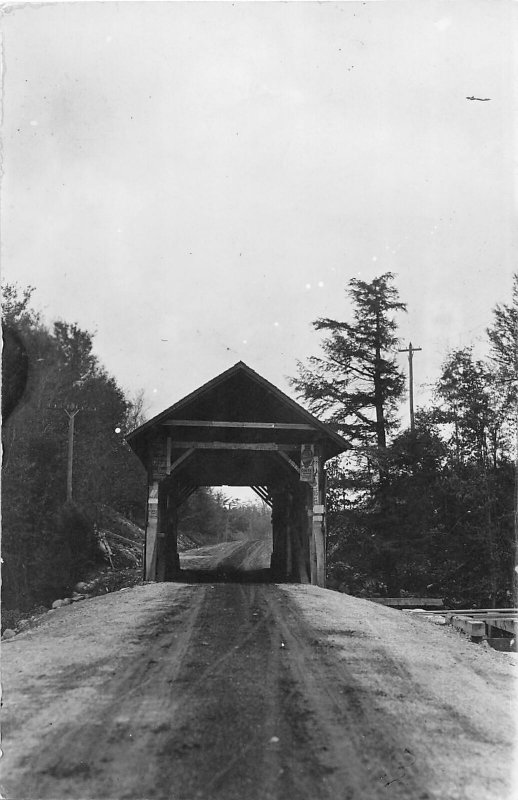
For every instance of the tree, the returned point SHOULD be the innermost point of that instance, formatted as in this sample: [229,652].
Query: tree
[473,502]
[357,383]
[356,386]
[441,520]
[208,516]
[40,558]
[503,337]
[469,404]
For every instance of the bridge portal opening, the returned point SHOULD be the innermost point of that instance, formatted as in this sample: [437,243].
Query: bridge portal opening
[239,430]
[225,534]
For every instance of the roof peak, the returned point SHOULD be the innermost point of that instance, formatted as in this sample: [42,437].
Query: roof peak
[273,391]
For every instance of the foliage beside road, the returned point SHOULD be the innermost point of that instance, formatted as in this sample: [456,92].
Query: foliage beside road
[49,542]
[429,510]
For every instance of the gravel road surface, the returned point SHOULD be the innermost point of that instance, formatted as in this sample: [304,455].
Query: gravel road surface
[250,691]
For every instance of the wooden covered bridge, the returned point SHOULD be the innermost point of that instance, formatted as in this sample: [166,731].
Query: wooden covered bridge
[239,430]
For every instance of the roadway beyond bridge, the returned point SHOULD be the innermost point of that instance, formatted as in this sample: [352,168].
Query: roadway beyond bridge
[225,691]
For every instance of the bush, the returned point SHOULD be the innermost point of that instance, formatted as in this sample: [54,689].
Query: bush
[67,550]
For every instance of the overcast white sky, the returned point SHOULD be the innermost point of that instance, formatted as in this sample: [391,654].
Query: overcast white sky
[197,182]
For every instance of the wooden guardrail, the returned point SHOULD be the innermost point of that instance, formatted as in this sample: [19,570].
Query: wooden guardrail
[408,602]
[480,623]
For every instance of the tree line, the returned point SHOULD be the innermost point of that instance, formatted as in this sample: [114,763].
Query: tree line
[48,541]
[427,510]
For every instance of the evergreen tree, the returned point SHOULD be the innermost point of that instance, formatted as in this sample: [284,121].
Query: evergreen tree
[470,406]
[356,383]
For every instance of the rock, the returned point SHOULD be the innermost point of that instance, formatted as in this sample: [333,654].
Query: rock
[81,587]
[77,597]
[58,603]
[8,634]
[23,625]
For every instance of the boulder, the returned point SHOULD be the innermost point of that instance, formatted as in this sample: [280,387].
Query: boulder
[8,634]
[57,603]
[81,587]
[23,625]
[66,601]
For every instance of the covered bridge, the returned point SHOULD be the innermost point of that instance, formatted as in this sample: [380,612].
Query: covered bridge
[239,430]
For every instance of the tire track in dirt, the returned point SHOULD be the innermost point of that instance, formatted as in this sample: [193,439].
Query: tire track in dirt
[365,752]
[227,691]
[230,697]
[107,754]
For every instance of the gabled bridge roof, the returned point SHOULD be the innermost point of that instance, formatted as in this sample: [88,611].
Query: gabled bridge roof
[238,423]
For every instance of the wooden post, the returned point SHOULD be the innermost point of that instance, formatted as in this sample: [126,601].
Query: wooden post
[279,532]
[318,572]
[302,535]
[289,534]
[312,552]
[151,531]
[171,557]
[160,569]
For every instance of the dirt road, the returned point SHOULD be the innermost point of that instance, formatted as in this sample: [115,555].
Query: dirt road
[242,560]
[228,691]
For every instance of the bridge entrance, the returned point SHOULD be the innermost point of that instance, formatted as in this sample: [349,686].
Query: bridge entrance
[239,429]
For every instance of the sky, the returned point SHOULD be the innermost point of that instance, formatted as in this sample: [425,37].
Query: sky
[197,182]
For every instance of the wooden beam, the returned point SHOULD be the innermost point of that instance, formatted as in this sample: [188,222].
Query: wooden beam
[474,628]
[185,493]
[471,612]
[406,602]
[290,462]
[168,456]
[180,460]
[151,532]
[503,621]
[270,446]
[508,624]
[205,423]
[262,492]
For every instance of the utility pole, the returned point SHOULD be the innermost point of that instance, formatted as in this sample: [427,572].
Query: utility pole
[70,410]
[411,350]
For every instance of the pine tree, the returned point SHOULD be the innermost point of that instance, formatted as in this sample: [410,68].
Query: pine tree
[356,383]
